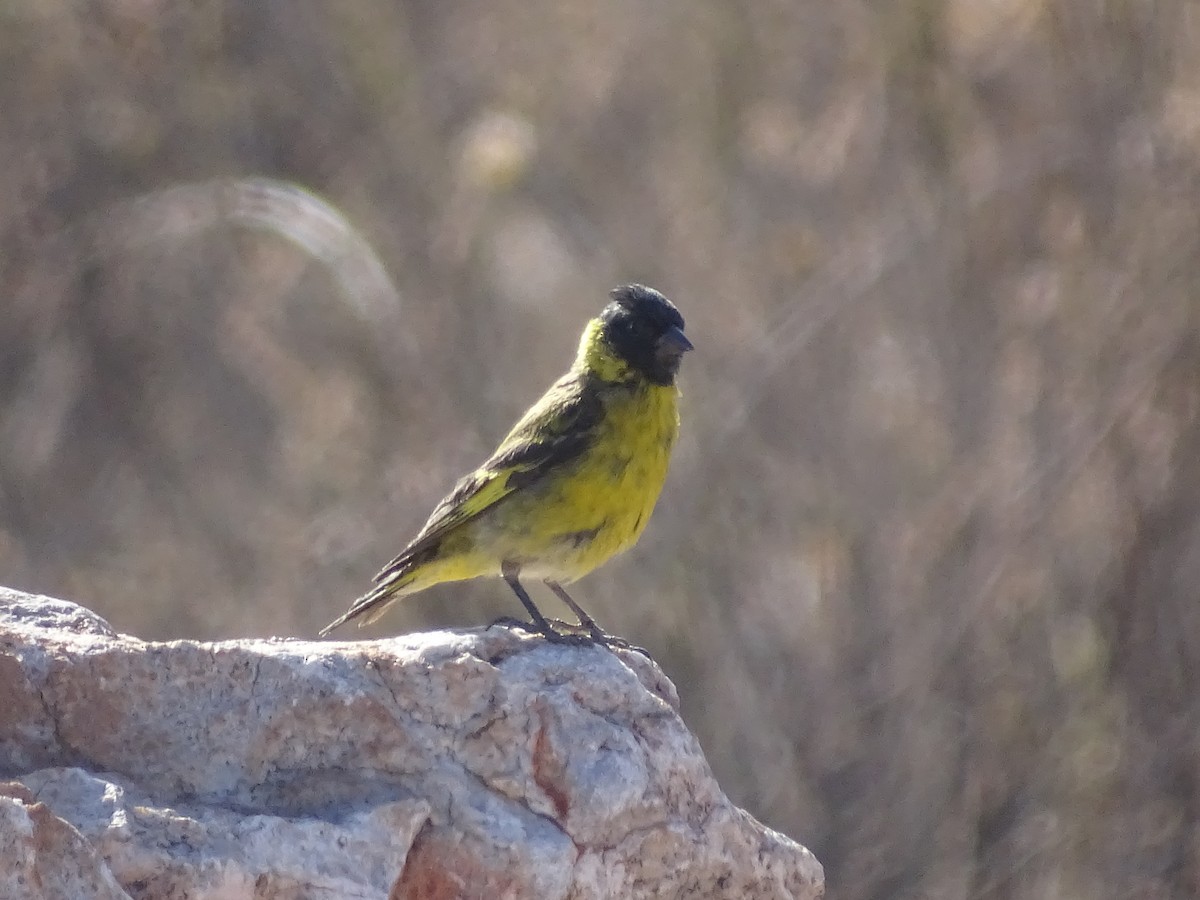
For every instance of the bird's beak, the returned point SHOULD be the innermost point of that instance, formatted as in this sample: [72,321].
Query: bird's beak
[674,342]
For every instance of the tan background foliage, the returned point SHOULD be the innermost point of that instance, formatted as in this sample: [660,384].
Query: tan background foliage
[926,567]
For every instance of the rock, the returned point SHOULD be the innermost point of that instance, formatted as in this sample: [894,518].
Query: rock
[41,855]
[440,765]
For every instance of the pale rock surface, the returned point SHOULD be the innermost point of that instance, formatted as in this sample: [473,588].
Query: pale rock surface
[481,765]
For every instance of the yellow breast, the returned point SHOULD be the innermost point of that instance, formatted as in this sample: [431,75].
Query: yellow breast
[603,500]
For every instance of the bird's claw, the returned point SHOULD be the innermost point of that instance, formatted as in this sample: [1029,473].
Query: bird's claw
[570,634]
[532,627]
[577,639]
[612,642]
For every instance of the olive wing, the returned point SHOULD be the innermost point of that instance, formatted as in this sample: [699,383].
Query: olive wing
[555,430]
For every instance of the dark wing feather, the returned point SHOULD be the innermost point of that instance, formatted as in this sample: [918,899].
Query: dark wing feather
[555,430]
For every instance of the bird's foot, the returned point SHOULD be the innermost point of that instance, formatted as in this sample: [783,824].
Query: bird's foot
[602,637]
[532,627]
[598,635]
[579,635]
[556,631]
[612,642]
[571,639]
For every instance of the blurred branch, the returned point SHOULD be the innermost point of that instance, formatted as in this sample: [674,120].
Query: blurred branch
[284,209]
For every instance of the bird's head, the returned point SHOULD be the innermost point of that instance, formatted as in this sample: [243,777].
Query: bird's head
[639,332]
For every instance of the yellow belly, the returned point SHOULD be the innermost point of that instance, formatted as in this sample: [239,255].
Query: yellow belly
[605,503]
[575,519]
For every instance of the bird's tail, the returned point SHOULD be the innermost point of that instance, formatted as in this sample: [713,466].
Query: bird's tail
[373,604]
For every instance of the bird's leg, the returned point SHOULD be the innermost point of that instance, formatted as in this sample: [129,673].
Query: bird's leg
[599,635]
[510,572]
[584,619]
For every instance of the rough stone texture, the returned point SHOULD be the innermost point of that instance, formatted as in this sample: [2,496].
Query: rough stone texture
[41,855]
[482,765]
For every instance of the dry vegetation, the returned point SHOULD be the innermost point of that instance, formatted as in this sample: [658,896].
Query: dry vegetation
[926,568]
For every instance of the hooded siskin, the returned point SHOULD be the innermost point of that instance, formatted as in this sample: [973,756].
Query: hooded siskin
[575,480]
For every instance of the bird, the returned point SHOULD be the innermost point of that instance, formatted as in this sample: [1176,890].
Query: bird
[572,484]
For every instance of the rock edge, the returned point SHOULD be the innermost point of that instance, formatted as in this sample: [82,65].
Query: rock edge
[434,765]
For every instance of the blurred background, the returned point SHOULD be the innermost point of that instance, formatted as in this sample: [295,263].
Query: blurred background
[925,571]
